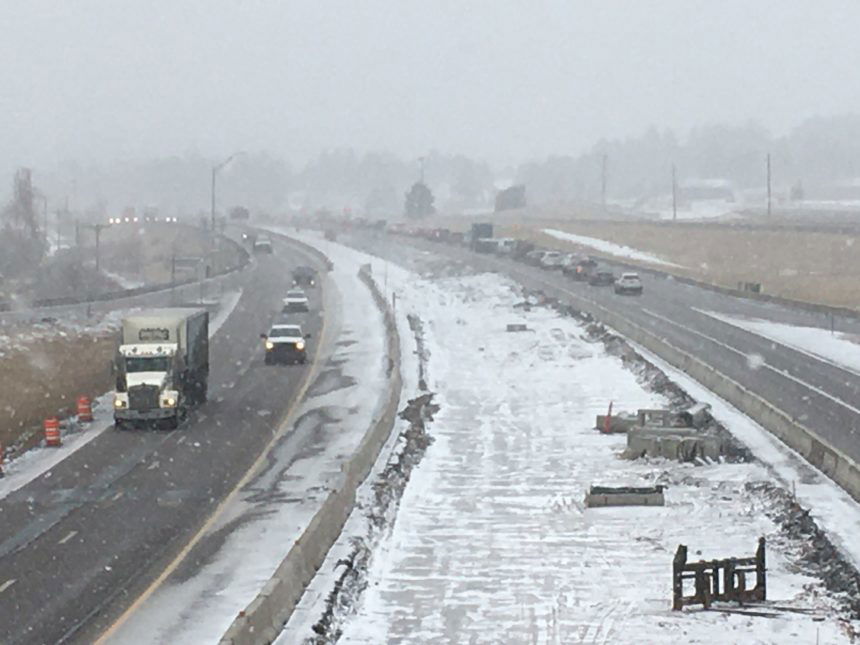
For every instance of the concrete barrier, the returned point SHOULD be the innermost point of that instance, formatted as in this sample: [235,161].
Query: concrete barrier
[263,619]
[817,451]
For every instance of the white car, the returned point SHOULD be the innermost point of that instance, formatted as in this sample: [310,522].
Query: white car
[629,283]
[263,245]
[285,344]
[552,260]
[296,301]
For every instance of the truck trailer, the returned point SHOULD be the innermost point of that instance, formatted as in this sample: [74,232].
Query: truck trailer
[161,366]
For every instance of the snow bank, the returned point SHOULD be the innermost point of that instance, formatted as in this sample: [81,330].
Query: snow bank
[837,348]
[609,248]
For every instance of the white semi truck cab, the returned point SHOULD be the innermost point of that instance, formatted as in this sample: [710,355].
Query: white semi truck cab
[162,366]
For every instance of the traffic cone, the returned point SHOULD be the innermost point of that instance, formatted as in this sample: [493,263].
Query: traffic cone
[607,422]
[85,409]
[52,432]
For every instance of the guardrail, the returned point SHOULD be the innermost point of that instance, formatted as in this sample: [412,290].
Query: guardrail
[182,290]
[263,619]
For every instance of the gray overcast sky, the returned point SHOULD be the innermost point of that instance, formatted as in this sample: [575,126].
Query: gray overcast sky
[503,80]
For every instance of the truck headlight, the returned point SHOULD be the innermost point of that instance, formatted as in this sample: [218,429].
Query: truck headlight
[119,403]
[270,345]
[300,345]
[169,402]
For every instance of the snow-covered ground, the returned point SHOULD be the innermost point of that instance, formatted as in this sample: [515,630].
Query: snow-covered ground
[610,248]
[492,543]
[34,463]
[256,530]
[834,347]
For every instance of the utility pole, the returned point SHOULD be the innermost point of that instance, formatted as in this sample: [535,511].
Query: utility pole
[674,194]
[769,194]
[97,228]
[603,183]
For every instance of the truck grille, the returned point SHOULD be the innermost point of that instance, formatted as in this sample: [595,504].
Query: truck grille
[143,397]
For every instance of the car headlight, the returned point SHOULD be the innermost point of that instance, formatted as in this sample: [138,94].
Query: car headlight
[270,345]
[300,344]
[169,402]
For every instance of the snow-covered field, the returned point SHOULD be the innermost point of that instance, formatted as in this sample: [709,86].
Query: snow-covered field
[610,248]
[492,543]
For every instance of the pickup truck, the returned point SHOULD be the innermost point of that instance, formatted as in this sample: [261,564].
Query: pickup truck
[285,343]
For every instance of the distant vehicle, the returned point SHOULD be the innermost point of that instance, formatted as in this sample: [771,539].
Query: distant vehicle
[263,244]
[240,212]
[628,283]
[601,279]
[485,245]
[534,257]
[505,245]
[330,235]
[551,260]
[285,343]
[581,269]
[295,302]
[480,231]
[161,366]
[304,276]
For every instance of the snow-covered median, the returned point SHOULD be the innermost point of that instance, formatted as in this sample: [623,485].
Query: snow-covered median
[609,248]
[492,542]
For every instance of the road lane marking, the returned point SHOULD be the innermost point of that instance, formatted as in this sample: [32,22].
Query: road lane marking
[7,584]
[117,496]
[764,364]
[821,359]
[68,537]
[252,472]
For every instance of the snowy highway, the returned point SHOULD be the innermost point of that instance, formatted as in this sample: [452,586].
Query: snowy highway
[82,540]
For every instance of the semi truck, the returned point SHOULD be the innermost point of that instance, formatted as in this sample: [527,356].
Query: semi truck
[480,231]
[161,366]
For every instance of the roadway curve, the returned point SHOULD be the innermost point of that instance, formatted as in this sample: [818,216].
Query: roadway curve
[821,395]
[81,542]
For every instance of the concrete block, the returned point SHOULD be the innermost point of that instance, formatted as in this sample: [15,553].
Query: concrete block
[624,496]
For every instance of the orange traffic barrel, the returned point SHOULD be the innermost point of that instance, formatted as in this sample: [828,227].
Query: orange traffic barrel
[85,409]
[52,432]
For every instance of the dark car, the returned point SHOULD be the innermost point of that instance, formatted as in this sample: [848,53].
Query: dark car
[285,344]
[580,270]
[601,279]
[304,276]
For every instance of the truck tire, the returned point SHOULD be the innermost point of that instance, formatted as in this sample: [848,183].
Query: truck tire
[171,423]
[119,424]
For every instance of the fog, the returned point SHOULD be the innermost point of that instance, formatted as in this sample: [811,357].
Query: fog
[503,82]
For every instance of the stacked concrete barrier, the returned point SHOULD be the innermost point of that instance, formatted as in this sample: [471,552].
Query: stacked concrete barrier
[263,619]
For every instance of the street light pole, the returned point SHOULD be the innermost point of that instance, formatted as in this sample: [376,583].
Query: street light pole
[215,170]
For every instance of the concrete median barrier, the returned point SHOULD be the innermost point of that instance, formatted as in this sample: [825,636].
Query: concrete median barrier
[818,452]
[263,619]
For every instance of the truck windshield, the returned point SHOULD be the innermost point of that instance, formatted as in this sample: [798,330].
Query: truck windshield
[147,364]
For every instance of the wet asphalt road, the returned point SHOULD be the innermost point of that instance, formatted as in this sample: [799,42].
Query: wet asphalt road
[79,543]
[823,396]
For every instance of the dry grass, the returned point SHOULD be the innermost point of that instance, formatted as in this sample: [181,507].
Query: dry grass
[46,378]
